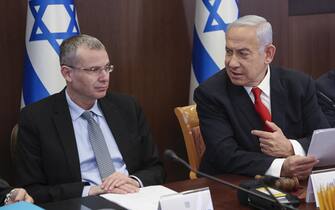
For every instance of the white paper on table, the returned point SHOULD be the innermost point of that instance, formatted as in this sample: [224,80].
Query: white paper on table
[198,199]
[146,199]
[322,146]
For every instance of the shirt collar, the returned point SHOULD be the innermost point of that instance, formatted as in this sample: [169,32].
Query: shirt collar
[264,85]
[76,111]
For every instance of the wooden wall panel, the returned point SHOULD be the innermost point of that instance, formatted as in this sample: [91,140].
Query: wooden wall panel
[12,26]
[311,44]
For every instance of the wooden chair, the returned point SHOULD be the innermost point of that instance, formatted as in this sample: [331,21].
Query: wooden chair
[13,140]
[195,146]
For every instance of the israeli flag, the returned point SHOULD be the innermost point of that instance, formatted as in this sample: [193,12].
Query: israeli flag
[49,22]
[209,42]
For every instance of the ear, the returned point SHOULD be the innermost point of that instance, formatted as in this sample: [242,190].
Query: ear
[269,51]
[67,73]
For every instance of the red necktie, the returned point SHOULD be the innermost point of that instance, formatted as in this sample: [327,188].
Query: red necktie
[261,108]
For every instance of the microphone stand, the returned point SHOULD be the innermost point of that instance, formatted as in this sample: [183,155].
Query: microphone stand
[171,155]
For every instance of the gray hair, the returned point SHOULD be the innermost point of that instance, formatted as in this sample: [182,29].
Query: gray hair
[69,47]
[263,28]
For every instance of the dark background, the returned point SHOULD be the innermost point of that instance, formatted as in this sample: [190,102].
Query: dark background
[150,43]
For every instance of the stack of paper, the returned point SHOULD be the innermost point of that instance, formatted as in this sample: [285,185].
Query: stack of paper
[147,198]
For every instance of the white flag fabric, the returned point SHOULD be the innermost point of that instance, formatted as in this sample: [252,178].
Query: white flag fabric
[209,45]
[49,22]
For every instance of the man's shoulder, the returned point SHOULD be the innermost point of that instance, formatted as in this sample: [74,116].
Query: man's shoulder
[326,84]
[45,104]
[286,73]
[290,77]
[215,82]
[327,79]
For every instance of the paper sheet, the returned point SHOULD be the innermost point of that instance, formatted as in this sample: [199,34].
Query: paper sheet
[147,198]
[322,146]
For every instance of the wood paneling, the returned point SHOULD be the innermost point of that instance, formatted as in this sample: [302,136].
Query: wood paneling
[311,44]
[12,26]
[309,7]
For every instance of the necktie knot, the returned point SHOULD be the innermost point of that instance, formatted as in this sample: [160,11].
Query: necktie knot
[256,91]
[87,115]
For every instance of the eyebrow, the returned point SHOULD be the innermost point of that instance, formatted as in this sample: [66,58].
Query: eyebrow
[101,66]
[241,49]
[244,49]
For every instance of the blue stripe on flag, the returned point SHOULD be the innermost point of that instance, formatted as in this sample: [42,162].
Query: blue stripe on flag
[203,65]
[33,89]
[49,22]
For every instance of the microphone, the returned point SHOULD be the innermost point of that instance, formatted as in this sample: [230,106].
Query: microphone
[275,204]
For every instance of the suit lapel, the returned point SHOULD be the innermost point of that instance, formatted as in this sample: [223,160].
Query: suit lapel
[115,123]
[63,124]
[278,98]
[242,102]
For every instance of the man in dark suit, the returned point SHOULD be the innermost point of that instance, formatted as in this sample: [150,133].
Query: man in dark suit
[9,195]
[325,86]
[257,119]
[56,152]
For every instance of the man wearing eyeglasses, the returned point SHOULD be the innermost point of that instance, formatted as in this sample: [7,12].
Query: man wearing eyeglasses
[84,141]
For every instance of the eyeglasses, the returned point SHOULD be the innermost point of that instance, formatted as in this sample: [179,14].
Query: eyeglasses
[95,69]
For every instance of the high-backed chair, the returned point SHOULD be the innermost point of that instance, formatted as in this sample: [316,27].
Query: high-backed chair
[195,146]
[13,140]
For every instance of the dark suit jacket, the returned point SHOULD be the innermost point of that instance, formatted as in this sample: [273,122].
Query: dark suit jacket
[227,117]
[47,157]
[4,189]
[325,86]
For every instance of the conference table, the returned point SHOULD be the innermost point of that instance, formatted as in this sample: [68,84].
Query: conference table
[223,197]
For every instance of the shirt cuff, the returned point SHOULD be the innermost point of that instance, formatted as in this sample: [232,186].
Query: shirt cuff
[137,179]
[275,168]
[86,189]
[297,148]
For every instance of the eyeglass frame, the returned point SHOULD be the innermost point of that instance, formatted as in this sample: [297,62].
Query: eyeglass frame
[108,68]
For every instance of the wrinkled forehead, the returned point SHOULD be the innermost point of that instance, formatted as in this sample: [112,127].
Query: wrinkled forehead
[242,37]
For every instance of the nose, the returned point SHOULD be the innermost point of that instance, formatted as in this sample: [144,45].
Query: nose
[103,76]
[232,61]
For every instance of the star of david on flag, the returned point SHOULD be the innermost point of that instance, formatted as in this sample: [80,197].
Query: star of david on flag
[209,42]
[49,22]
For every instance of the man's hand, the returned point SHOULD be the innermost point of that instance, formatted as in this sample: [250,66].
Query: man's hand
[298,166]
[120,183]
[95,190]
[274,143]
[19,194]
